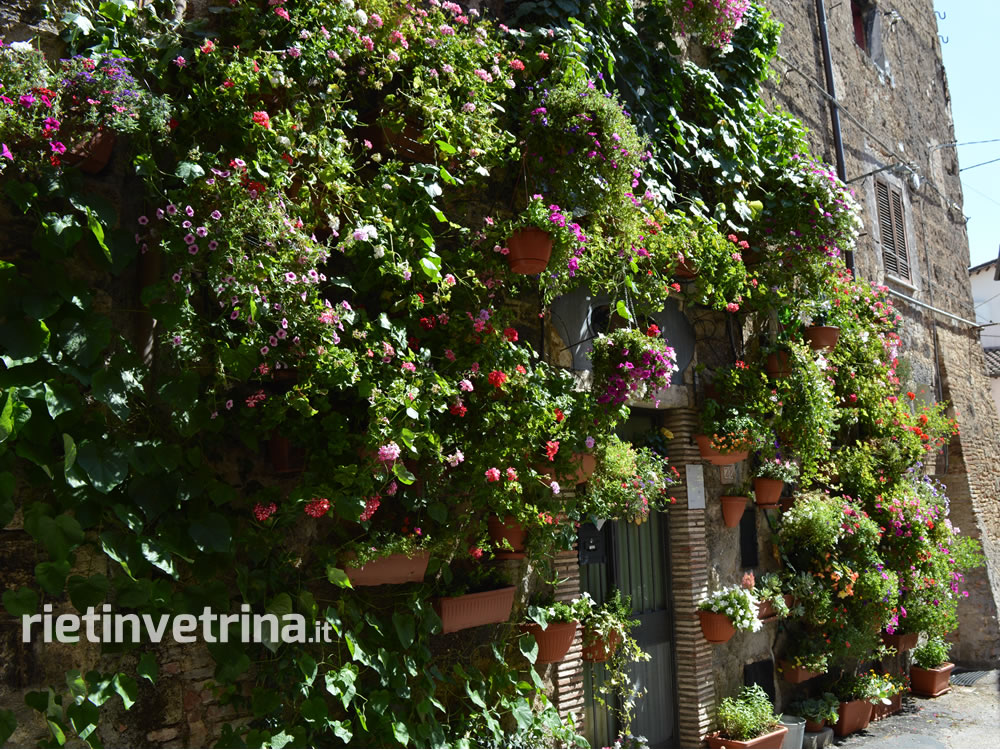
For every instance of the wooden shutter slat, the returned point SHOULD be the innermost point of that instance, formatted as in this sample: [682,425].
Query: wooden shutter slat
[884,207]
[899,227]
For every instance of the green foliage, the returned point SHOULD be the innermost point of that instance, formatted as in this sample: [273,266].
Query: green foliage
[931,654]
[628,482]
[749,715]
[823,708]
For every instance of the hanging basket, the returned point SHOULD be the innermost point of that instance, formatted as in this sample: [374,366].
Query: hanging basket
[512,531]
[822,338]
[599,651]
[530,249]
[473,610]
[93,154]
[553,642]
[393,569]
[767,492]
[716,627]
[716,457]
[733,507]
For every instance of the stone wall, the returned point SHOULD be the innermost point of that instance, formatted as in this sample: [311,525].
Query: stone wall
[896,111]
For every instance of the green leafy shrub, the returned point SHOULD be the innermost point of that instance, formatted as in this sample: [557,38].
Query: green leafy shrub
[749,715]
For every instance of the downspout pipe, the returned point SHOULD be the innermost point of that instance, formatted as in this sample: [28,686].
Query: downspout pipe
[831,89]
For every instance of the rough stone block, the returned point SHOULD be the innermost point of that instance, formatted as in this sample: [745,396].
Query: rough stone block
[823,738]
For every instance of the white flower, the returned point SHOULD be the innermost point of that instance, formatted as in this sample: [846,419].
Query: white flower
[362,17]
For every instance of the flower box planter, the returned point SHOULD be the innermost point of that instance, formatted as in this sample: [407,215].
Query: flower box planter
[822,337]
[716,627]
[598,650]
[510,530]
[777,365]
[767,492]
[93,154]
[553,642]
[715,457]
[854,715]
[472,610]
[795,675]
[930,683]
[530,249]
[773,739]
[900,641]
[396,568]
[881,710]
[733,507]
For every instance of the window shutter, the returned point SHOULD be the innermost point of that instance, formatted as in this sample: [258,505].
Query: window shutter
[885,227]
[899,227]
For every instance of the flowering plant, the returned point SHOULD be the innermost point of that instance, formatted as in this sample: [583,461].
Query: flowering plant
[628,482]
[738,604]
[102,92]
[629,363]
[776,468]
[713,21]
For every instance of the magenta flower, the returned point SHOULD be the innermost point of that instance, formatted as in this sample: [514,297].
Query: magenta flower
[389,452]
[493,474]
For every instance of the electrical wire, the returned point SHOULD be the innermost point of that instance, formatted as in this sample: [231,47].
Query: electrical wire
[981,164]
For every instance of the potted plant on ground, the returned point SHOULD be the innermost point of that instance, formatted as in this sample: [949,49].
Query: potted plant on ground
[818,711]
[890,696]
[748,720]
[628,483]
[931,669]
[553,627]
[605,626]
[855,693]
[731,609]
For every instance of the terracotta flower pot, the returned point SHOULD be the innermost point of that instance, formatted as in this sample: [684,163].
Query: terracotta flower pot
[586,468]
[930,683]
[530,250]
[716,627]
[773,739]
[822,337]
[684,271]
[554,641]
[396,568]
[512,531]
[786,503]
[599,650]
[900,641]
[854,715]
[93,154]
[285,457]
[733,507]
[767,492]
[881,710]
[715,457]
[407,145]
[815,726]
[765,610]
[795,675]
[777,365]
[473,610]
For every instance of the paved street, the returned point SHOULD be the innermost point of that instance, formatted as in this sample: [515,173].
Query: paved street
[967,717]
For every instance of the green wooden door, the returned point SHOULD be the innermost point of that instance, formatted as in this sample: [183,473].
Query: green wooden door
[637,563]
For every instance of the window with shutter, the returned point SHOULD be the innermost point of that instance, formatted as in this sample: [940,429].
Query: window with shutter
[892,230]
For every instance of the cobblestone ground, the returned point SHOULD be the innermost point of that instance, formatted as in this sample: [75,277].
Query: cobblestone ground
[966,717]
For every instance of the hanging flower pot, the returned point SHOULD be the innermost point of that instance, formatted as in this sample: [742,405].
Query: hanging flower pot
[773,739]
[512,531]
[733,507]
[473,610]
[854,716]
[392,569]
[777,365]
[794,675]
[822,337]
[586,465]
[716,457]
[553,642]
[900,641]
[406,143]
[684,272]
[285,457]
[716,627]
[596,650]
[93,154]
[767,492]
[930,683]
[530,250]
